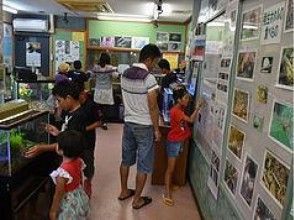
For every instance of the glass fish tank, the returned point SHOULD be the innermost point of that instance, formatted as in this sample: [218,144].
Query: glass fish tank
[17,134]
[168,102]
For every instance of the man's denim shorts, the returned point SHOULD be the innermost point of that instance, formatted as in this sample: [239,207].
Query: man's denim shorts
[173,148]
[138,139]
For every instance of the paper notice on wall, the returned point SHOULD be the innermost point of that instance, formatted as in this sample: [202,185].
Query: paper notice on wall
[66,51]
[271,28]
[78,36]
[33,54]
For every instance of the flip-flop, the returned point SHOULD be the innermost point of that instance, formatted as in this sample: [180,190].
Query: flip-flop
[147,200]
[167,201]
[131,193]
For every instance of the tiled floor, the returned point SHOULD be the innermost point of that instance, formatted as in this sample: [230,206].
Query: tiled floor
[106,187]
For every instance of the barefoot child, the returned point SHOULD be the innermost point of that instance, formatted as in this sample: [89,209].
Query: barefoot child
[70,200]
[178,133]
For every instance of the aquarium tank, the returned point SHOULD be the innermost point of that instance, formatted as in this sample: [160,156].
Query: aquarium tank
[17,134]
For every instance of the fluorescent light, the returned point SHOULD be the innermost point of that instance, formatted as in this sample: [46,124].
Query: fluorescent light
[9,9]
[123,17]
[250,27]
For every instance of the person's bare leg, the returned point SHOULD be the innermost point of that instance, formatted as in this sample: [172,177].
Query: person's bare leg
[140,183]
[124,174]
[168,176]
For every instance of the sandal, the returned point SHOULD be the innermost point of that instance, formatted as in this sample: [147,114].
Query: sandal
[146,200]
[131,193]
[167,201]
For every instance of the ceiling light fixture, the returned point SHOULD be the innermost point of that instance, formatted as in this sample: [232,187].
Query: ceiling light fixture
[9,9]
[123,17]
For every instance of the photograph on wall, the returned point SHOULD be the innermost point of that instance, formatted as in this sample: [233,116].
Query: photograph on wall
[262,211]
[174,47]
[281,127]
[139,42]
[262,94]
[286,73]
[236,141]
[241,105]
[175,37]
[258,122]
[123,42]
[266,64]
[289,16]
[162,36]
[271,28]
[162,46]
[275,177]
[215,160]
[245,68]
[33,54]
[223,76]
[94,42]
[248,180]
[225,63]
[251,24]
[107,42]
[212,182]
[231,177]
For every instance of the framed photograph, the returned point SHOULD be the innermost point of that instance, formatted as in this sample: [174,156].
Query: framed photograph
[281,125]
[231,177]
[266,65]
[289,16]
[251,21]
[248,180]
[275,177]
[123,42]
[245,68]
[162,46]
[258,122]
[241,105]
[262,94]
[236,141]
[94,42]
[272,22]
[261,211]
[175,37]
[139,42]
[162,37]
[107,42]
[286,71]
[174,47]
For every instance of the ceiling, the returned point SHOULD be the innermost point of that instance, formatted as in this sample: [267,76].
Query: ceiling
[180,10]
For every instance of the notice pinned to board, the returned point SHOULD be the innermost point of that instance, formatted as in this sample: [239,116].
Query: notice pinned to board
[78,36]
[173,59]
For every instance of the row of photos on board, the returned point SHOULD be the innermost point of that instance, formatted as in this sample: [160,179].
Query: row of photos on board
[275,174]
[164,40]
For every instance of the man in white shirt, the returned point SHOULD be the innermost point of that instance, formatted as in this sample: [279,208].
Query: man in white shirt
[139,91]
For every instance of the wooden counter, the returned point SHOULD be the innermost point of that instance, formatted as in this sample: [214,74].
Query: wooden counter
[160,161]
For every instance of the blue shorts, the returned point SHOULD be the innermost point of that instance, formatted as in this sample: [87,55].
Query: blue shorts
[138,144]
[173,148]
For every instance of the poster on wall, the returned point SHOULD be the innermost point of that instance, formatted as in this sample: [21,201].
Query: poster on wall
[262,211]
[162,37]
[175,37]
[123,42]
[213,179]
[275,177]
[241,105]
[231,177]
[245,68]
[251,24]
[271,28]
[173,59]
[198,48]
[107,42]
[286,72]
[281,125]
[95,42]
[289,16]
[236,141]
[66,51]
[139,42]
[248,180]
[33,54]
[174,47]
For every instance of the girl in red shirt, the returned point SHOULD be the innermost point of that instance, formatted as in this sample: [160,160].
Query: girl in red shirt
[70,200]
[178,133]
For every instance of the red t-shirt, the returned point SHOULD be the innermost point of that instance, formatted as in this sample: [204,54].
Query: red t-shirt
[74,168]
[179,130]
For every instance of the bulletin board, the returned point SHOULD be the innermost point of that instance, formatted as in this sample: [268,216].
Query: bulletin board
[252,80]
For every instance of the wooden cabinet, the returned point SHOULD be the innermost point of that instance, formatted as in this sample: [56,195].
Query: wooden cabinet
[160,161]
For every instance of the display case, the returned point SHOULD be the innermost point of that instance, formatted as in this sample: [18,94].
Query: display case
[23,180]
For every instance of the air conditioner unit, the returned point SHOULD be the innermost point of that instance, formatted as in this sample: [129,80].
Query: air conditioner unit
[30,25]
